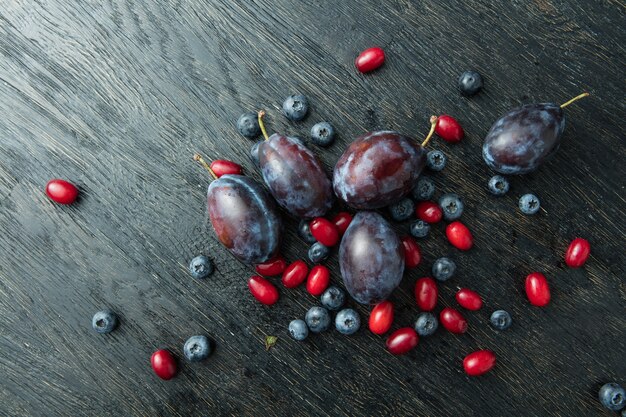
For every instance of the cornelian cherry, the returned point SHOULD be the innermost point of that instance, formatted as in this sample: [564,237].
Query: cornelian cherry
[223,167]
[453,321]
[263,290]
[295,274]
[577,253]
[537,289]
[479,362]
[324,231]
[449,129]
[271,268]
[412,252]
[459,236]
[428,211]
[370,59]
[402,341]
[164,364]
[469,299]
[426,293]
[381,318]
[318,280]
[61,191]
[342,221]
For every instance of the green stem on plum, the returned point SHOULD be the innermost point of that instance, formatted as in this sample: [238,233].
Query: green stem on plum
[261,125]
[578,97]
[198,158]
[433,124]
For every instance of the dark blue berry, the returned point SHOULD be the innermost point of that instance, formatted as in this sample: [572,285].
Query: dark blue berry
[419,228]
[317,319]
[248,125]
[529,204]
[424,189]
[333,298]
[443,269]
[347,321]
[104,321]
[295,107]
[323,134]
[402,210]
[197,348]
[254,154]
[201,267]
[435,160]
[612,396]
[304,231]
[498,185]
[426,324]
[500,320]
[298,329]
[318,252]
[470,83]
[451,205]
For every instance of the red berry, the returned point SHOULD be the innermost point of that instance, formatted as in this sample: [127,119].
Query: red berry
[577,253]
[370,59]
[263,290]
[295,274]
[61,191]
[342,221]
[449,129]
[426,293]
[537,289]
[381,318]
[459,236]
[271,268]
[469,299]
[479,362]
[224,167]
[428,211]
[402,341]
[164,364]
[453,321]
[412,252]
[324,231]
[318,280]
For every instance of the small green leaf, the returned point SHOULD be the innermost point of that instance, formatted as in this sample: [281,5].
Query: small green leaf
[270,341]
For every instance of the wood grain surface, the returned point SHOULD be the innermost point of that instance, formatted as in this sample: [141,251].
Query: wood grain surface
[116,96]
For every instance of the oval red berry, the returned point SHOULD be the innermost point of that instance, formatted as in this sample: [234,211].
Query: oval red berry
[271,268]
[164,364]
[370,59]
[537,289]
[324,231]
[224,167]
[479,362]
[453,321]
[426,293]
[449,129]
[264,291]
[295,274]
[61,191]
[469,299]
[428,211]
[577,253]
[318,280]
[402,341]
[412,252]
[342,220]
[381,318]
[459,236]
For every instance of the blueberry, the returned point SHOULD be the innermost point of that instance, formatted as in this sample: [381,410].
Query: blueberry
[426,324]
[104,321]
[248,125]
[197,348]
[443,269]
[318,252]
[254,154]
[333,298]
[318,319]
[435,160]
[424,189]
[529,204]
[305,231]
[402,210]
[451,205]
[500,320]
[470,83]
[295,107]
[419,228]
[201,267]
[612,396]
[498,185]
[298,329]
[323,134]
[347,321]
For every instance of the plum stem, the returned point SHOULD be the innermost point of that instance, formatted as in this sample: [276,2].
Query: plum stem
[261,125]
[198,158]
[578,97]
[433,124]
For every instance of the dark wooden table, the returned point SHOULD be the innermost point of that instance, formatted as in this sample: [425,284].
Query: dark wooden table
[116,96]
